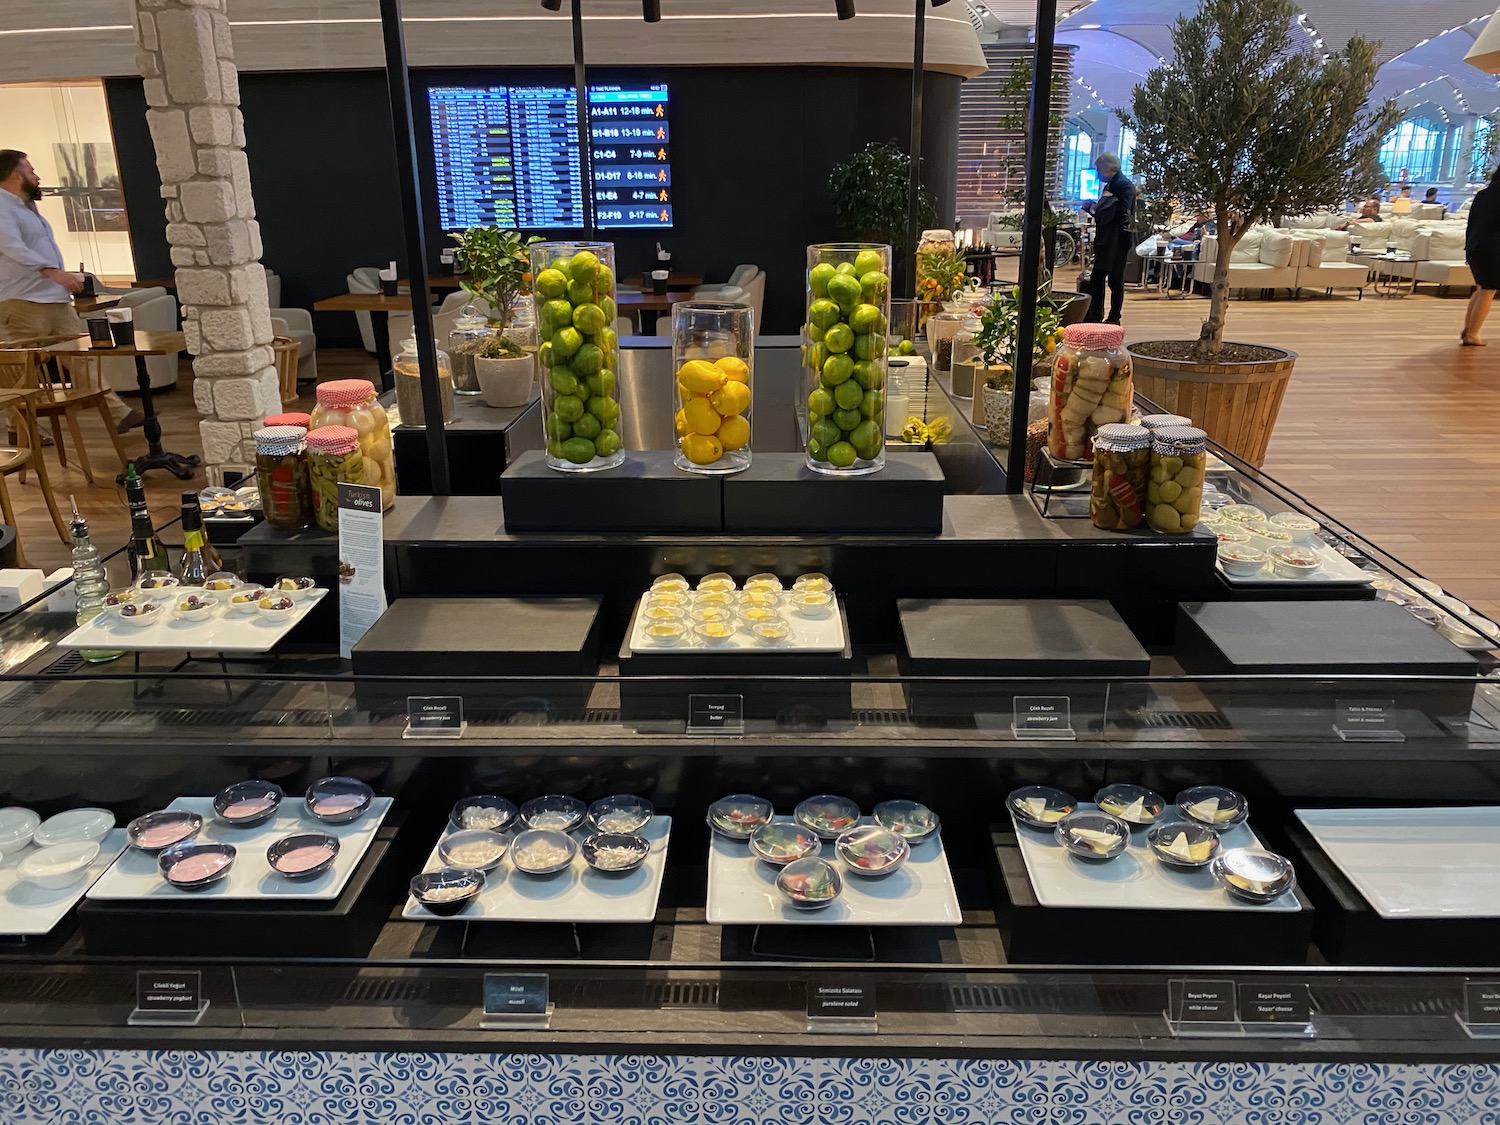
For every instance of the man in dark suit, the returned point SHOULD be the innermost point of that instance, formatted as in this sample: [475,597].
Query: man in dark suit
[1114,215]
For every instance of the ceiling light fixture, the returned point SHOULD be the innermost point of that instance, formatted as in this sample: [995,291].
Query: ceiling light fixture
[845,9]
[651,11]
[552,5]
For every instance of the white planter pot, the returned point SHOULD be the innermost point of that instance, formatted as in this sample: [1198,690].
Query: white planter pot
[506,382]
[999,406]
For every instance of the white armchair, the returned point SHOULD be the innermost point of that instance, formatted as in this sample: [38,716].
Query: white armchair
[737,280]
[1438,256]
[1327,265]
[365,279]
[154,311]
[297,324]
[1265,259]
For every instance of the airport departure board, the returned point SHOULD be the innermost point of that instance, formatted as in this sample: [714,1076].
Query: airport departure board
[508,156]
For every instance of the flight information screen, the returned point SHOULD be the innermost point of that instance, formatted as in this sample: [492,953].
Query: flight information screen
[508,156]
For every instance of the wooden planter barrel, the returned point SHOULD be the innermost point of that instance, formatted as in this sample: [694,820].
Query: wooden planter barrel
[1236,403]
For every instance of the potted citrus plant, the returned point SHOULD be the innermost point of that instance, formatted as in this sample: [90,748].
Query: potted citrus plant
[995,372]
[1246,124]
[495,270]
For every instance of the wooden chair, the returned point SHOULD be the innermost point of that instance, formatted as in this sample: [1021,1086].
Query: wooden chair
[286,350]
[18,403]
[68,387]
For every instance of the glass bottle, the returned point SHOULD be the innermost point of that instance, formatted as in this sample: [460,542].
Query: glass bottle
[844,354]
[195,565]
[966,357]
[941,328]
[713,354]
[146,552]
[574,290]
[408,373]
[90,585]
[471,332]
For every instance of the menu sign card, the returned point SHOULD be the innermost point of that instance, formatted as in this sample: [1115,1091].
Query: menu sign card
[1202,1001]
[1275,1004]
[1043,716]
[1366,720]
[361,563]
[716,714]
[168,996]
[516,1000]
[840,1005]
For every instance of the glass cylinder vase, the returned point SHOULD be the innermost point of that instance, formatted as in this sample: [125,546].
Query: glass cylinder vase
[573,288]
[713,357]
[844,357]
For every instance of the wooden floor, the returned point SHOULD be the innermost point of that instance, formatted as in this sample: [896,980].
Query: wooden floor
[1388,424]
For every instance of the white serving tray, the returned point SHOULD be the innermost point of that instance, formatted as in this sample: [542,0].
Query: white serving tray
[742,890]
[1336,571]
[28,910]
[809,634]
[1136,880]
[222,632]
[1415,863]
[576,894]
[135,875]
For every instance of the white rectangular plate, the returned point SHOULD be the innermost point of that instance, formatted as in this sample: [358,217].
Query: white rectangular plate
[1136,880]
[135,875]
[223,632]
[29,910]
[742,890]
[1416,863]
[1336,571]
[809,634]
[576,894]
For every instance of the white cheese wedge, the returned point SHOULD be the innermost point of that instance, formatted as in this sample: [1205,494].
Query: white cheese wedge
[1095,838]
[1205,810]
[1180,847]
[1034,806]
[1135,811]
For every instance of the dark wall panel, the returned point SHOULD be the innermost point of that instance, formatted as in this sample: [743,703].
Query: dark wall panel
[752,150]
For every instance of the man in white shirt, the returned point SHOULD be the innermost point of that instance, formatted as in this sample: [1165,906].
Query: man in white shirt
[36,293]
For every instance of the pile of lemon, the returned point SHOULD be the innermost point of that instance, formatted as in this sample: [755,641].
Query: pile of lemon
[715,396]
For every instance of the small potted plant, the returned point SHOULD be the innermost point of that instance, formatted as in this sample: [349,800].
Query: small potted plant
[506,372]
[996,344]
[495,270]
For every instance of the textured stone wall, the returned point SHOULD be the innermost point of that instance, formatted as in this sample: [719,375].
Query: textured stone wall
[192,88]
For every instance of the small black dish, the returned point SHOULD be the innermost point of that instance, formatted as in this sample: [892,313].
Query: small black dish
[208,863]
[338,800]
[293,857]
[622,852]
[483,811]
[447,890]
[247,803]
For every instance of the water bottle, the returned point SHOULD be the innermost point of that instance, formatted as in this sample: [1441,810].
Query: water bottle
[90,584]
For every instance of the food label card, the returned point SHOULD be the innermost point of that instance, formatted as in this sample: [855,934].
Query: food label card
[361,563]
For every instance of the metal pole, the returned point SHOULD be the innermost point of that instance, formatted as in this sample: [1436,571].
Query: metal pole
[914,188]
[398,82]
[585,135]
[1031,236]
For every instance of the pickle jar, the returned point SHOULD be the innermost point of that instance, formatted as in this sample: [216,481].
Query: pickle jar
[351,402]
[333,458]
[573,288]
[281,473]
[1091,387]
[1122,464]
[1154,422]
[408,374]
[844,357]
[1174,493]
[290,418]
[470,334]
[713,355]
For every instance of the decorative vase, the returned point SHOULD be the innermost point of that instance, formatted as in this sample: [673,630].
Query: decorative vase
[506,382]
[844,346]
[713,360]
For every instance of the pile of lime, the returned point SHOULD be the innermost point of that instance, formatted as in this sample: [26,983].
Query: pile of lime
[845,349]
[580,351]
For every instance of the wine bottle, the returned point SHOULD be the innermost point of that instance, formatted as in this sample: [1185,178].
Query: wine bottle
[193,569]
[146,551]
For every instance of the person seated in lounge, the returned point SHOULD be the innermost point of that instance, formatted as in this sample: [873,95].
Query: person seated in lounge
[1431,196]
[1369,212]
[1402,204]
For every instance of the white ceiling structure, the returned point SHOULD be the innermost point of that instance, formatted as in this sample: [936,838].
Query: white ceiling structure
[1423,43]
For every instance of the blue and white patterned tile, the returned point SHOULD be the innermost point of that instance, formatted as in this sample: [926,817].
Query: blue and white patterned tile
[399,1088]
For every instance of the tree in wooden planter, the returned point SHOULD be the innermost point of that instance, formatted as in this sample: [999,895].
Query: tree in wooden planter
[1250,123]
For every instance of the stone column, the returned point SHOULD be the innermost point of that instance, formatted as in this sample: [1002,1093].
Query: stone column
[192,89]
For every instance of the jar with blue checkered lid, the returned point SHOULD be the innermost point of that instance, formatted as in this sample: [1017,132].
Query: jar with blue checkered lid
[1174,494]
[281,472]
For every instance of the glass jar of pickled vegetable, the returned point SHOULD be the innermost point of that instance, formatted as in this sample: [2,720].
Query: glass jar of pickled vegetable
[1174,494]
[333,458]
[713,355]
[1122,463]
[1091,387]
[281,473]
[351,402]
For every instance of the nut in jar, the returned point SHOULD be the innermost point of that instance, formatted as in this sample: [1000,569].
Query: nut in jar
[1091,387]
[1174,493]
[1122,463]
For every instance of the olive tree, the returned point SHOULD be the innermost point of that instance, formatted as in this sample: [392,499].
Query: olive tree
[1249,123]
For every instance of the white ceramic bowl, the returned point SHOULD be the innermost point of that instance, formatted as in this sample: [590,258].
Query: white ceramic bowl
[144,613]
[1301,528]
[196,606]
[1240,560]
[74,826]
[60,865]
[303,589]
[250,606]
